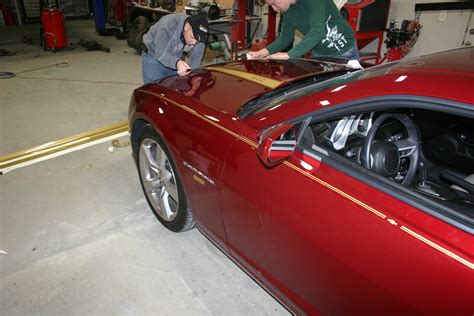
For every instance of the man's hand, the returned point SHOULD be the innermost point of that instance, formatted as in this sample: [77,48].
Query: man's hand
[279,55]
[183,68]
[258,54]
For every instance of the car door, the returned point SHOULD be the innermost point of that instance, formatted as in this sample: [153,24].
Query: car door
[328,243]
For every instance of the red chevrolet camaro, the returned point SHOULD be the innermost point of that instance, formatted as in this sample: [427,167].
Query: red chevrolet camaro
[340,191]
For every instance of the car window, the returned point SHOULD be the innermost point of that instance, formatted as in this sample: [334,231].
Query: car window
[281,94]
[307,86]
[429,153]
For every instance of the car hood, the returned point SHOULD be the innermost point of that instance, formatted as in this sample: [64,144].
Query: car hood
[226,87]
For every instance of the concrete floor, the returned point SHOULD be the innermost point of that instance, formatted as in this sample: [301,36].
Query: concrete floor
[78,233]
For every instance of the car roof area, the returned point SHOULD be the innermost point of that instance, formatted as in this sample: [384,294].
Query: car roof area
[446,75]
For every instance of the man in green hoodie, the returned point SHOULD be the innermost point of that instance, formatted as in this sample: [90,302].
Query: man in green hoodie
[326,32]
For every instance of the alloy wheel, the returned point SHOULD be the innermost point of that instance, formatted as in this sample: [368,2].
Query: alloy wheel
[158,179]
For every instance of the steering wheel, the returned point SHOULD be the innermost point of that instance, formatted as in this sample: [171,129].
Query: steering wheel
[384,156]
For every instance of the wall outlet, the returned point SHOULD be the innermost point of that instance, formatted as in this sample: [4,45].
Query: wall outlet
[442,15]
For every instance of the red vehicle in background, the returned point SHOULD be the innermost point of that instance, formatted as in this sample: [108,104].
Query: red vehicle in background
[341,191]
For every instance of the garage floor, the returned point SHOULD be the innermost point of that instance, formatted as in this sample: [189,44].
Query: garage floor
[76,233]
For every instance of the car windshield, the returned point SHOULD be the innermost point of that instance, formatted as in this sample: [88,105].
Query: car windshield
[304,87]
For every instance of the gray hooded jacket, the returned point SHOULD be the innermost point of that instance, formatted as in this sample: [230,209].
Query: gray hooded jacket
[164,41]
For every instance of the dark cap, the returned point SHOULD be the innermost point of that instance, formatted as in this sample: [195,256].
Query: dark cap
[199,25]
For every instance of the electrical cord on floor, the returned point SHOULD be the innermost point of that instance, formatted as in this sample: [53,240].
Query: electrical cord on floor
[64,64]
[8,74]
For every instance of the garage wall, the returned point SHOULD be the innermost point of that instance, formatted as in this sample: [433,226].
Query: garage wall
[441,30]
[437,34]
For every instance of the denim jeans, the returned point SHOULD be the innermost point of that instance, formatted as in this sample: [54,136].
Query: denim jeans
[351,54]
[153,70]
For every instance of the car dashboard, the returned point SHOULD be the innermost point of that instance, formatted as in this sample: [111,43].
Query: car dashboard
[444,170]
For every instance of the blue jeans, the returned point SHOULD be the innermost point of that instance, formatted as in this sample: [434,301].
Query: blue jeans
[153,70]
[351,54]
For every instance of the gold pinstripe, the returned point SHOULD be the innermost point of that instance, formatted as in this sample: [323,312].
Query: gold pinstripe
[254,145]
[249,142]
[202,117]
[438,247]
[261,80]
[338,191]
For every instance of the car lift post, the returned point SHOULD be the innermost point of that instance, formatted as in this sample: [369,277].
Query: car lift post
[239,26]
[271,25]
[237,30]
[242,13]
[99,14]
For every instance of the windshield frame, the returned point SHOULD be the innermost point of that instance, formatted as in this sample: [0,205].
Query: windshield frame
[306,86]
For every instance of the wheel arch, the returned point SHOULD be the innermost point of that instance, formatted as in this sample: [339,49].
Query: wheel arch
[150,110]
[141,123]
[141,131]
[134,133]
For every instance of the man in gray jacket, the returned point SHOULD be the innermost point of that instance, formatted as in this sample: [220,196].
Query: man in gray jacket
[167,40]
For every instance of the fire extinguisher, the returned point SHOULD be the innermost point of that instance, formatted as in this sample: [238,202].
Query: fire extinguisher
[53,33]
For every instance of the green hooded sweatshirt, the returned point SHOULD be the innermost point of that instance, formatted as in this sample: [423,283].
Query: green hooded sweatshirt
[323,27]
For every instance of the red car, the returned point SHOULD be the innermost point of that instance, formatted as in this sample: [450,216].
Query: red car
[340,191]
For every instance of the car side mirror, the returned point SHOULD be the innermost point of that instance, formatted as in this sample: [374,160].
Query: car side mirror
[277,144]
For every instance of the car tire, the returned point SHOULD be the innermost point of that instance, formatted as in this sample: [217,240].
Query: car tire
[161,182]
[139,40]
[135,31]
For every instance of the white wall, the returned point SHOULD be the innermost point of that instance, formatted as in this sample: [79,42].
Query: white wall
[436,34]
[441,30]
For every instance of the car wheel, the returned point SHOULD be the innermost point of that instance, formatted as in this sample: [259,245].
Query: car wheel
[136,29]
[161,182]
